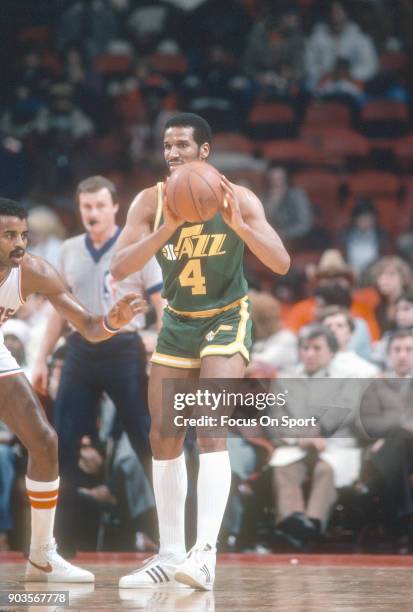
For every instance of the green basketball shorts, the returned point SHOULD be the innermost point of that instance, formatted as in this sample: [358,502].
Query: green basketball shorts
[187,337]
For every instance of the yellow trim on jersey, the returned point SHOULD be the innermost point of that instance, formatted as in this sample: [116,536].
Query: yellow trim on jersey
[175,362]
[197,314]
[159,205]
[238,344]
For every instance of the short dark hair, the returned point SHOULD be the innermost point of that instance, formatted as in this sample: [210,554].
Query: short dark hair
[331,311]
[96,183]
[401,333]
[202,129]
[311,332]
[10,208]
[334,294]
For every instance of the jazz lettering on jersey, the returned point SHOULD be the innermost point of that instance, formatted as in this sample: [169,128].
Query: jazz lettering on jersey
[5,314]
[193,245]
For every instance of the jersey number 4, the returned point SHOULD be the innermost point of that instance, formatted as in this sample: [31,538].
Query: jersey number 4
[191,276]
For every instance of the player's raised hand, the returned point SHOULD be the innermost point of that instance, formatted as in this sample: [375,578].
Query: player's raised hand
[230,208]
[125,310]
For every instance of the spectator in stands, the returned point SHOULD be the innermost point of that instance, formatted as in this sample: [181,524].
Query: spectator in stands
[90,24]
[404,320]
[392,276]
[331,269]
[338,295]
[272,344]
[24,115]
[340,38]
[216,22]
[364,241]
[346,362]
[301,520]
[46,234]
[340,85]
[65,117]
[386,415]
[275,50]
[288,208]
[151,22]
[15,168]
[218,90]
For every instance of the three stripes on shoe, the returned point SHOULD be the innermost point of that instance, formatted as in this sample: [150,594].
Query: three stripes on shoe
[157,574]
[205,571]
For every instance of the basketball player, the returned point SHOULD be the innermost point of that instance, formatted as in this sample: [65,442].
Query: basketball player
[116,366]
[206,333]
[22,274]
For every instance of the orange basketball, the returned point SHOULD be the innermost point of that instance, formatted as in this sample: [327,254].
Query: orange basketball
[194,191]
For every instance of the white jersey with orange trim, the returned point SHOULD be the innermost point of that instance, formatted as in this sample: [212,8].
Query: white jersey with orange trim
[10,301]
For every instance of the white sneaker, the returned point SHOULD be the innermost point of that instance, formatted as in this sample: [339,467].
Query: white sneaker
[156,571]
[198,569]
[45,565]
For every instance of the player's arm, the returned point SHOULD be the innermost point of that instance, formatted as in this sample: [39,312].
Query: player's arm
[244,213]
[40,277]
[137,242]
[53,331]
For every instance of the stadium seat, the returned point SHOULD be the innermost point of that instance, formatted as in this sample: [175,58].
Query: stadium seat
[168,64]
[39,34]
[290,152]
[233,142]
[394,61]
[129,107]
[253,179]
[384,119]
[338,146]
[404,153]
[374,184]
[106,64]
[271,120]
[334,114]
[323,188]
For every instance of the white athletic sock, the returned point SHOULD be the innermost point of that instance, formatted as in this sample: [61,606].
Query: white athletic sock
[170,483]
[43,500]
[214,482]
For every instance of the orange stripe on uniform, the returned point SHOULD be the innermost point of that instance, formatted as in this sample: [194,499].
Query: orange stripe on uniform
[42,494]
[44,505]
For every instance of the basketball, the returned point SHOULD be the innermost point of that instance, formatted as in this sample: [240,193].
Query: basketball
[194,191]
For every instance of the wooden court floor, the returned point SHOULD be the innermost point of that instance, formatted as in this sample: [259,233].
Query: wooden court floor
[247,583]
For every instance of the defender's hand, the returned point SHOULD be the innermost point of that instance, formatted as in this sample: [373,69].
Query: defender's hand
[40,378]
[125,310]
[230,209]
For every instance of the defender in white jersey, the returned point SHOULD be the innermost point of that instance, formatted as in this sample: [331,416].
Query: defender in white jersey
[21,275]
[116,367]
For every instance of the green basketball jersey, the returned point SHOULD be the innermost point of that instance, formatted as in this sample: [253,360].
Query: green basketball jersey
[202,264]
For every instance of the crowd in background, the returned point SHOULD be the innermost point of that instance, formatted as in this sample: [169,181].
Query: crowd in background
[310,104]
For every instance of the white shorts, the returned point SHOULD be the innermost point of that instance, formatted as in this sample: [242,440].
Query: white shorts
[8,364]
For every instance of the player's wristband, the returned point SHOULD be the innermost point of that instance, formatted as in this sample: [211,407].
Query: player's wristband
[109,328]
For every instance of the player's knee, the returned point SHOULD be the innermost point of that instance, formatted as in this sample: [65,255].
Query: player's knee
[45,444]
[165,448]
